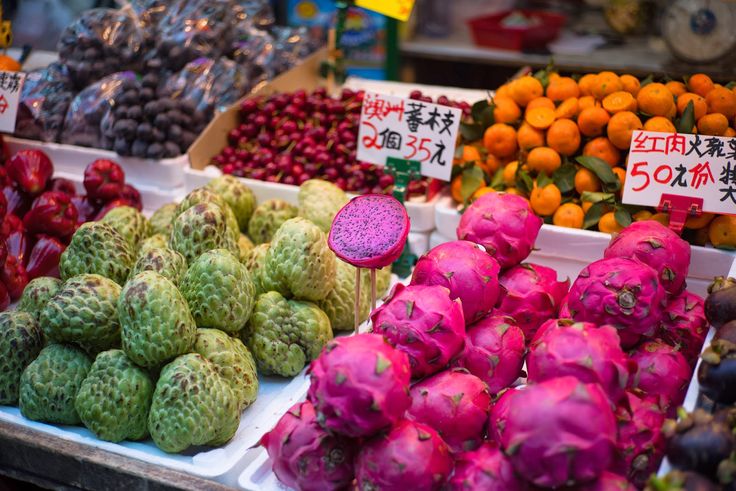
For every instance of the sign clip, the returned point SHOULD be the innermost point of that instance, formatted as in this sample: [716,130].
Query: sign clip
[680,209]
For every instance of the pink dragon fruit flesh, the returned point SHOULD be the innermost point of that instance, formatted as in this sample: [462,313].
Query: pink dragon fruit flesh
[657,246]
[583,350]
[620,292]
[504,224]
[306,457]
[607,481]
[641,443]
[487,469]
[469,273]
[531,295]
[370,231]
[410,456]
[359,385]
[663,372]
[560,432]
[499,414]
[423,322]
[456,404]
[494,352]
[684,325]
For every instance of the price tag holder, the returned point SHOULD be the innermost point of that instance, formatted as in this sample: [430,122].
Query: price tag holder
[11,84]
[398,128]
[682,174]
[398,9]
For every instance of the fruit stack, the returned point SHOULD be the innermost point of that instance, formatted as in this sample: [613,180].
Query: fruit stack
[40,214]
[432,388]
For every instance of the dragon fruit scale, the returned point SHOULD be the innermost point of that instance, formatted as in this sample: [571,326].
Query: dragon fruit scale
[494,352]
[359,385]
[657,246]
[663,372]
[530,295]
[620,292]
[456,404]
[423,322]
[469,273]
[305,456]
[560,432]
[608,481]
[486,468]
[684,325]
[499,414]
[410,456]
[504,224]
[583,350]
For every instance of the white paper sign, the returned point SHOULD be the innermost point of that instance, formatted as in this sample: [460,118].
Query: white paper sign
[392,126]
[11,84]
[698,166]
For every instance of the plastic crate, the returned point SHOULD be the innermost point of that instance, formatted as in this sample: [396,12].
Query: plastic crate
[489,30]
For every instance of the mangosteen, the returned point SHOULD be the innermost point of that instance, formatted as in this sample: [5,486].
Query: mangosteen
[727,331]
[697,442]
[717,372]
[681,481]
[720,305]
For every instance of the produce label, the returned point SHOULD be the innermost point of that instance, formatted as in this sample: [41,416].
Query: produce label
[697,166]
[398,9]
[11,84]
[406,129]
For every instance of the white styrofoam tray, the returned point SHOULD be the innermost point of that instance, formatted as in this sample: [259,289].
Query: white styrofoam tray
[404,89]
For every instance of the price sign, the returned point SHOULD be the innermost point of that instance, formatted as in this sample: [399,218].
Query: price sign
[398,9]
[405,129]
[696,166]
[11,84]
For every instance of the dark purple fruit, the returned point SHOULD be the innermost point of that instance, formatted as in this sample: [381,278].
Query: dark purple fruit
[681,481]
[697,442]
[720,305]
[717,372]
[727,332]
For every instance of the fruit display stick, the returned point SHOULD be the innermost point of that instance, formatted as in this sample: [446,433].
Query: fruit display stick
[357,298]
[373,289]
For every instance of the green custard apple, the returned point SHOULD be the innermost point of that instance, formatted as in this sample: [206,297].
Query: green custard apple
[37,293]
[236,194]
[49,385]
[192,405]
[232,360]
[284,335]
[299,261]
[163,218]
[245,245]
[219,291]
[97,248]
[204,195]
[319,202]
[21,341]
[267,218]
[339,304]
[156,323]
[199,229]
[156,241]
[255,264]
[114,399]
[84,312]
[169,264]
[130,223]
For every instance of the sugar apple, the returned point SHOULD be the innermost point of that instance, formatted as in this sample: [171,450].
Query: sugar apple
[97,248]
[232,360]
[192,405]
[255,264]
[199,229]
[49,386]
[339,304]
[319,202]
[114,399]
[236,194]
[170,264]
[267,218]
[204,195]
[20,342]
[37,293]
[163,218]
[155,319]
[156,241]
[84,312]
[245,245]
[284,335]
[299,261]
[219,291]
[130,223]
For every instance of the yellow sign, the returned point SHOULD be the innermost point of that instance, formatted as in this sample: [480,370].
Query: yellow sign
[398,9]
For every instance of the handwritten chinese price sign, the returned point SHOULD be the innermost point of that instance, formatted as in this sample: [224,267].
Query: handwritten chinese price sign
[409,130]
[10,87]
[398,9]
[695,166]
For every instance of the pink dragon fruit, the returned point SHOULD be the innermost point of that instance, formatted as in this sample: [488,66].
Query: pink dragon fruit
[560,432]
[456,404]
[486,468]
[620,292]
[564,312]
[531,294]
[423,322]
[469,273]
[499,414]
[504,224]
[583,350]
[305,456]
[657,246]
[641,444]
[663,372]
[494,352]
[370,231]
[607,481]
[359,385]
[410,456]
[684,325]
